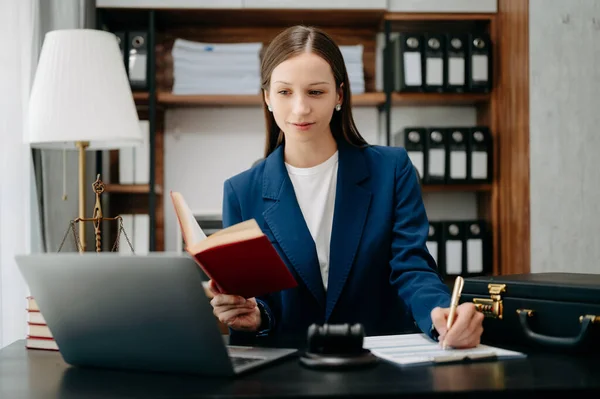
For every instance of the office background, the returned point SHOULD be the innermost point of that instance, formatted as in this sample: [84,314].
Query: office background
[564,194]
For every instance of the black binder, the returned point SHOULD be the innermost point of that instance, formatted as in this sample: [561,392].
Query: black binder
[480,63]
[410,62]
[453,237]
[480,160]
[435,169]
[456,56]
[414,143]
[137,59]
[478,256]
[435,62]
[456,161]
[434,243]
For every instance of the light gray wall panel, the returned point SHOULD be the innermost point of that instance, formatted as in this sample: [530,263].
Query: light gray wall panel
[564,137]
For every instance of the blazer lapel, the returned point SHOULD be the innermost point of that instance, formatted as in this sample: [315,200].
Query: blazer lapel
[284,218]
[351,208]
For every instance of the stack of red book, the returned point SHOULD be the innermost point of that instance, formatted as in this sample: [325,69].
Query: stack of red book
[38,333]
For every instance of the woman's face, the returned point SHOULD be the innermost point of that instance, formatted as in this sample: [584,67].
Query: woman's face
[303,95]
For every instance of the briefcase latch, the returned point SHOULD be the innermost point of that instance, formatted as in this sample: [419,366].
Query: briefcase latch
[492,306]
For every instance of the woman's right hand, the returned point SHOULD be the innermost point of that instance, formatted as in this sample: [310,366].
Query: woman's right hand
[235,311]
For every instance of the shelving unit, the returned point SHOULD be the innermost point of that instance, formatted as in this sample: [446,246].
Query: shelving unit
[375,99]
[487,194]
[447,188]
[347,28]
[448,99]
[169,100]
[131,188]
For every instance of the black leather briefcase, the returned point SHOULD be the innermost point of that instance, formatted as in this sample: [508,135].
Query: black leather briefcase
[549,311]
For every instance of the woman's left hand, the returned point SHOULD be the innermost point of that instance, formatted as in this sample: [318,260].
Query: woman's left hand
[466,329]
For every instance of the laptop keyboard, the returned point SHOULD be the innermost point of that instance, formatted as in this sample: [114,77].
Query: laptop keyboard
[239,361]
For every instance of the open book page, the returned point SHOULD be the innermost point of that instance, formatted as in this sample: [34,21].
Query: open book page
[236,233]
[191,230]
[417,349]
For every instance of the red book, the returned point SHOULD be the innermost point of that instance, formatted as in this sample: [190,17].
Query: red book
[239,259]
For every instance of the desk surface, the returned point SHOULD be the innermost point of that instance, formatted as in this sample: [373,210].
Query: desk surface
[42,374]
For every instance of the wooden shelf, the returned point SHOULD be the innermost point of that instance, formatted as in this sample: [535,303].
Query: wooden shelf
[502,110]
[141,96]
[366,99]
[208,100]
[131,188]
[438,188]
[432,17]
[261,18]
[245,17]
[440,98]
[435,22]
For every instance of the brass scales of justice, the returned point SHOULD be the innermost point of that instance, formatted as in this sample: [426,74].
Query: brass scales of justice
[97,218]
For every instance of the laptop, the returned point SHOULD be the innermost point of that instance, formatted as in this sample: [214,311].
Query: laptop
[137,312]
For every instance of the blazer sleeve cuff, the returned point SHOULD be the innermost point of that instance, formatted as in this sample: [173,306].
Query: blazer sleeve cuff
[266,326]
[422,315]
[266,316]
[433,333]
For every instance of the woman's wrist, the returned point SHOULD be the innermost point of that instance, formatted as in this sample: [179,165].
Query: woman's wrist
[264,322]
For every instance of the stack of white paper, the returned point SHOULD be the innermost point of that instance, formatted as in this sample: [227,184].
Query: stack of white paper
[205,68]
[353,57]
[418,349]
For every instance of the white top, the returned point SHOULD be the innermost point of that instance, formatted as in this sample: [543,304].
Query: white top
[315,191]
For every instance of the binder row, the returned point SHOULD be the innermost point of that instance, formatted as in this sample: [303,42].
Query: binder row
[134,50]
[461,248]
[429,62]
[441,62]
[450,155]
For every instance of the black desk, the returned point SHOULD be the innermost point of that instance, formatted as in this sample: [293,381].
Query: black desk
[36,374]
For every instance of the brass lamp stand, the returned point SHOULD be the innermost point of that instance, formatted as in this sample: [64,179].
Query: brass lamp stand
[81,146]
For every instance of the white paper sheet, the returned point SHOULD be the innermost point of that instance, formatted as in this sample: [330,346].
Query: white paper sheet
[418,349]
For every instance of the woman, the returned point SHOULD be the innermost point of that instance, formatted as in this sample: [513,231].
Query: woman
[347,218]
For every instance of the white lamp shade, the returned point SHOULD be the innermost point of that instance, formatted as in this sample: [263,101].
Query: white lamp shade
[81,93]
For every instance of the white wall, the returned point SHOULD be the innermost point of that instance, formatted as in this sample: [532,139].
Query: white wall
[564,137]
[15,163]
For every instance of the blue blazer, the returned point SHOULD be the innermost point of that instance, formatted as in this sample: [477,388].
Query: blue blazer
[380,272]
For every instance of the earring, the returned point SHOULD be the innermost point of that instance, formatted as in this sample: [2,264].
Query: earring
[338,107]
[269,108]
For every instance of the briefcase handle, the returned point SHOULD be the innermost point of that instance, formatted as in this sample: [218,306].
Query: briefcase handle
[562,342]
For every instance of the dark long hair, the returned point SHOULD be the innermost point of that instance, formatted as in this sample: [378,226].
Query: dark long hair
[294,41]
